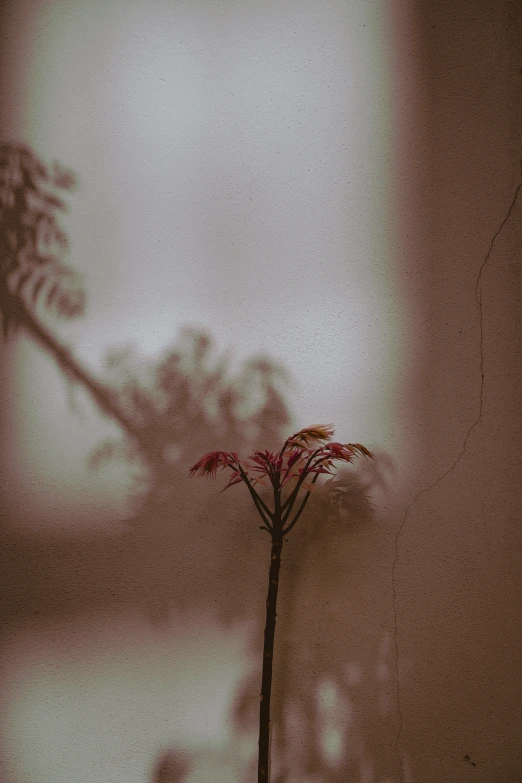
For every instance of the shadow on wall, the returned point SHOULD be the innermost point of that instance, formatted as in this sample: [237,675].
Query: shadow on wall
[201,551]
[196,546]
[186,546]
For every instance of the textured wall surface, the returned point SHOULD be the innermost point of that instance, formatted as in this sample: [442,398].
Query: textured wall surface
[457,571]
[409,627]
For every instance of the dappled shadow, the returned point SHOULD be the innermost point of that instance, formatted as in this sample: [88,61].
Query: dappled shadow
[184,546]
[200,550]
[171,767]
[203,550]
[33,244]
[333,708]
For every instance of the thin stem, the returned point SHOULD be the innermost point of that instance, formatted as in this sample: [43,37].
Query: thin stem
[259,504]
[301,508]
[263,775]
[294,466]
[285,444]
[289,502]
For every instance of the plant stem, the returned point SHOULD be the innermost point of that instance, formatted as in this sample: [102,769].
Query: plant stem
[268,657]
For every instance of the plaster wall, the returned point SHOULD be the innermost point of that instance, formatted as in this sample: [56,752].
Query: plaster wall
[459,545]
[425,632]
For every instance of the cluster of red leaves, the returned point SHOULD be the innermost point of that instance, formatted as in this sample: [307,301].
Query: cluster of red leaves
[298,460]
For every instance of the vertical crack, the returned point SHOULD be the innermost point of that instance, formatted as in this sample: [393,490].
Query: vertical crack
[478,299]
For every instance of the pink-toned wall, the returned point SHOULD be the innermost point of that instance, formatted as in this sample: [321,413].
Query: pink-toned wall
[457,575]
[427,626]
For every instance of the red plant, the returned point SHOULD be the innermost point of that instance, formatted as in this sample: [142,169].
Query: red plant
[297,461]
[304,457]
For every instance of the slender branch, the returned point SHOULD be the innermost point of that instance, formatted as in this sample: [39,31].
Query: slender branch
[260,505]
[268,656]
[271,471]
[285,444]
[292,497]
[301,508]
[288,469]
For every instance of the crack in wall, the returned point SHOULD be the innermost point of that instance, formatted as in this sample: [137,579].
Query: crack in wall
[478,299]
